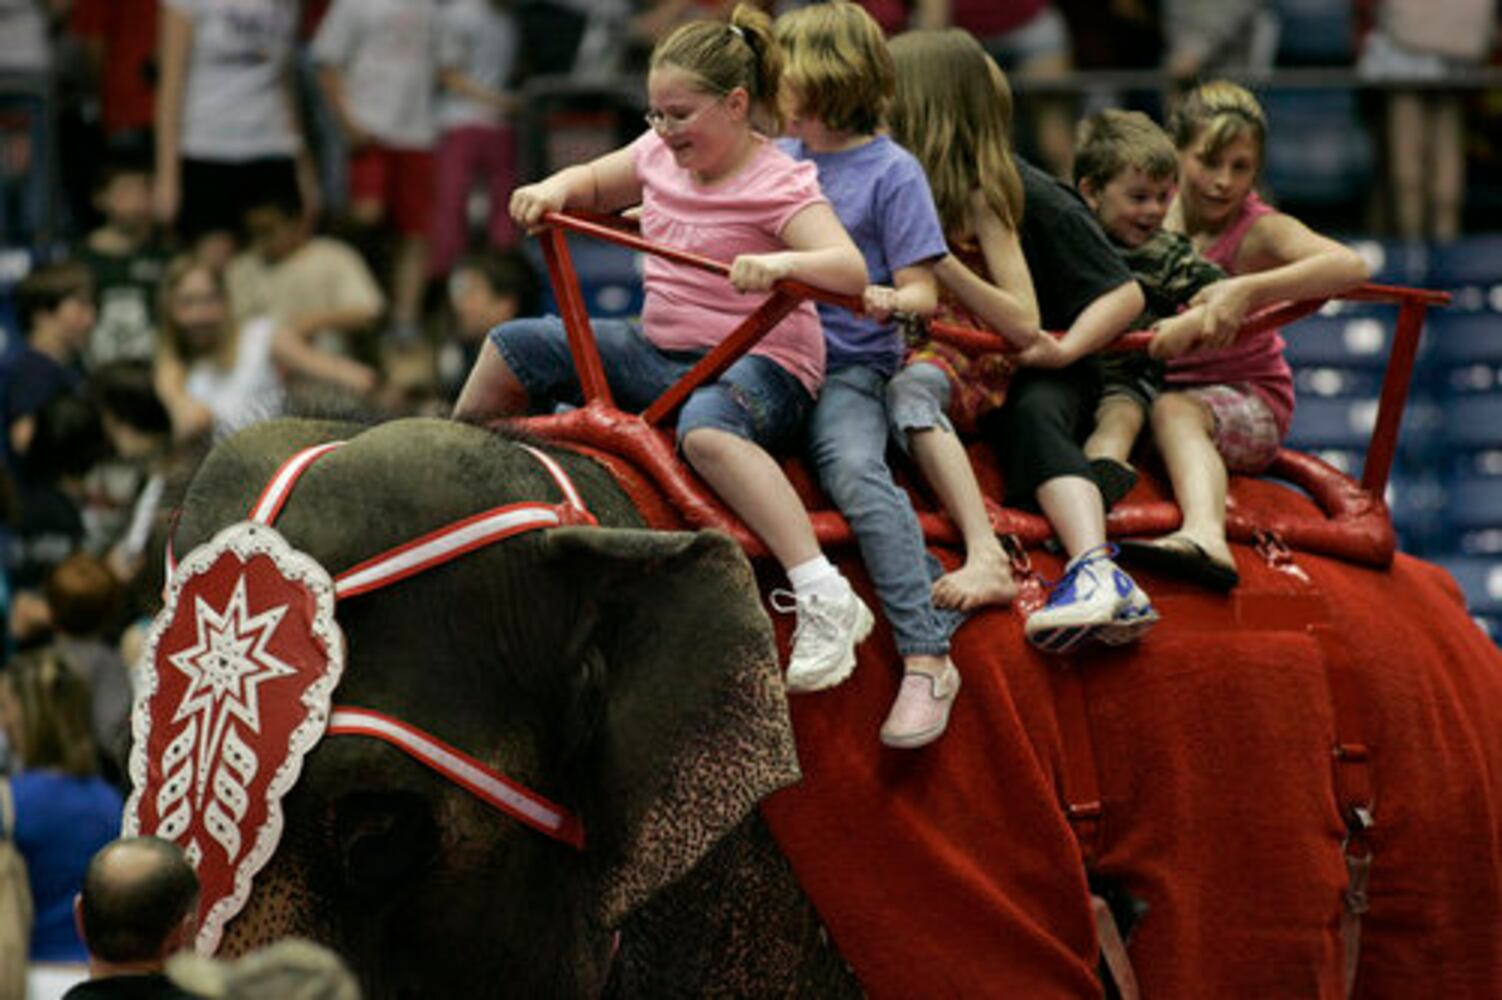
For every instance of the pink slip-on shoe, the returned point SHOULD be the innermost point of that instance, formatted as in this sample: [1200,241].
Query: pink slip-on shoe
[921,712]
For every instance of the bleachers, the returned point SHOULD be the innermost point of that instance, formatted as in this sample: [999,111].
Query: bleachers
[1481,579]
[1446,488]
[1316,33]
[1335,171]
[610,277]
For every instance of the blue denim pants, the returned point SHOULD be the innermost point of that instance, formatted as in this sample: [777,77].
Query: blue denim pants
[847,439]
[756,399]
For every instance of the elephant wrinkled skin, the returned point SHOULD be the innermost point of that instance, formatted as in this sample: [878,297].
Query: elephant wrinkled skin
[629,675]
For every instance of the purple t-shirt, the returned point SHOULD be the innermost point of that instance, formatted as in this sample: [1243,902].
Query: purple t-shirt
[880,193]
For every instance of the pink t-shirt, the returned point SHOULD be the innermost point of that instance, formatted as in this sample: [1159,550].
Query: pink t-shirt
[1257,359]
[688,309]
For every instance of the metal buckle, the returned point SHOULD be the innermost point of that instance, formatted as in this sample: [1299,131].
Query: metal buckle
[1276,553]
[1016,553]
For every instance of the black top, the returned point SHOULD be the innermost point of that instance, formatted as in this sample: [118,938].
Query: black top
[151,986]
[33,379]
[127,287]
[1071,261]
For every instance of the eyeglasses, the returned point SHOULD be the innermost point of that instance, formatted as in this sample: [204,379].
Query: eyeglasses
[665,121]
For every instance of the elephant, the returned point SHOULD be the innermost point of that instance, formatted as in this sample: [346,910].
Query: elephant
[739,844]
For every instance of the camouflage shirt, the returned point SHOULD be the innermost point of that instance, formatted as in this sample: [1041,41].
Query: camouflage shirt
[1170,272]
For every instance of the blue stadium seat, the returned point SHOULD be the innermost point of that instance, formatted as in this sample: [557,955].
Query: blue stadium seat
[1323,381]
[1465,338]
[1347,339]
[1474,502]
[1332,423]
[1418,504]
[1473,421]
[1481,579]
[1471,260]
[609,277]
[1469,378]
[1337,168]
[1316,33]
[1394,262]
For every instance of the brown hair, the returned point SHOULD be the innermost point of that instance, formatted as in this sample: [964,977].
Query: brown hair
[1220,111]
[45,288]
[55,707]
[1111,141]
[82,595]
[724,55]
[953,111]
[838,65]
[171,339]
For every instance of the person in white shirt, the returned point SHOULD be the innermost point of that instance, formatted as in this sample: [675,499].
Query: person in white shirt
[227,126]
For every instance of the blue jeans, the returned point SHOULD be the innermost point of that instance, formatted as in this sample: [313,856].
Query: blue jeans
[918,400]
[756,399]
[847,438]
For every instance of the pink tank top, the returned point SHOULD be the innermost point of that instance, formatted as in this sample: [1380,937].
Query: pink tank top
[1256,360]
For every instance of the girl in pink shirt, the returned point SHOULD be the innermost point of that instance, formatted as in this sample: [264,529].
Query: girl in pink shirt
[1231,397]
[707,181]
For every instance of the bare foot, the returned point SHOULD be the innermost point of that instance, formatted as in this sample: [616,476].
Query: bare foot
[986,578]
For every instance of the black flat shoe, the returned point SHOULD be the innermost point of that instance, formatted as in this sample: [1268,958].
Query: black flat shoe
[1181,558]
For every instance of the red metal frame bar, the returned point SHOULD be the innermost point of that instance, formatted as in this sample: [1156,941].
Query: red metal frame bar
[1396,380]
[724,354]
[1413,304]
[581,337]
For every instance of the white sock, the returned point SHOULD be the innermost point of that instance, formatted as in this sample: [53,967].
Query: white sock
[817,576]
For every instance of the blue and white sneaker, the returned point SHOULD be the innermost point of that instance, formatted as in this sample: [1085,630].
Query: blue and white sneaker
[1132,621]
[1094,599]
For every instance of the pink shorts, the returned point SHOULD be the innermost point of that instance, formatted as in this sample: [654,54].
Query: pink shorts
[1245,432]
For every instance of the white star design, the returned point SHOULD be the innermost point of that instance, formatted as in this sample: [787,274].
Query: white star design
[225,667]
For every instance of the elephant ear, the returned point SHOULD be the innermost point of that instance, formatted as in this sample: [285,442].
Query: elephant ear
[696,729]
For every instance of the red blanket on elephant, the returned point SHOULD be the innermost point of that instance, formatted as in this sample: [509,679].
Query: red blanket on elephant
[952,871]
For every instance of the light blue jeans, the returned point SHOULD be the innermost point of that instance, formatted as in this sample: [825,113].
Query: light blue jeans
[755,399]
[847,439]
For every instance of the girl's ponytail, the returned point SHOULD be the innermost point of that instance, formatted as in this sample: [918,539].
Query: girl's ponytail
[753,26]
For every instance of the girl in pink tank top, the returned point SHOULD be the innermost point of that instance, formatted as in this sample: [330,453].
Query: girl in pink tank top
[1230,398]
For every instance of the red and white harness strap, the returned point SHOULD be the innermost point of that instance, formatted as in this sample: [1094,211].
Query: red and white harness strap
[496,789]
[274,497]
[398,563]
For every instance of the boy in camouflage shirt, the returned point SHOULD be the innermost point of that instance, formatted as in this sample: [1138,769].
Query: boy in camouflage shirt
[1125,167]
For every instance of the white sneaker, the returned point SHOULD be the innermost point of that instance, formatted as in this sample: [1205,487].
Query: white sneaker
[825,638]
[1092,594]
[1132,621]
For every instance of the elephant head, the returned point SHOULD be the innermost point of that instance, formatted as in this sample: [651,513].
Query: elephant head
[628,675]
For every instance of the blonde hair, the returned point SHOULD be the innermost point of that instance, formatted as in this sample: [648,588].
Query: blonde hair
[172,340]
[1219,111]
[1109,142]
[55,714]
[289,969]
[838,65]
[724,55]
[953,111]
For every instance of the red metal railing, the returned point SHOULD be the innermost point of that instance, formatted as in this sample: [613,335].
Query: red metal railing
[1413,304]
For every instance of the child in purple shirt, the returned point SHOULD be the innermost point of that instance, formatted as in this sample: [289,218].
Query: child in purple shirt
[839,79]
